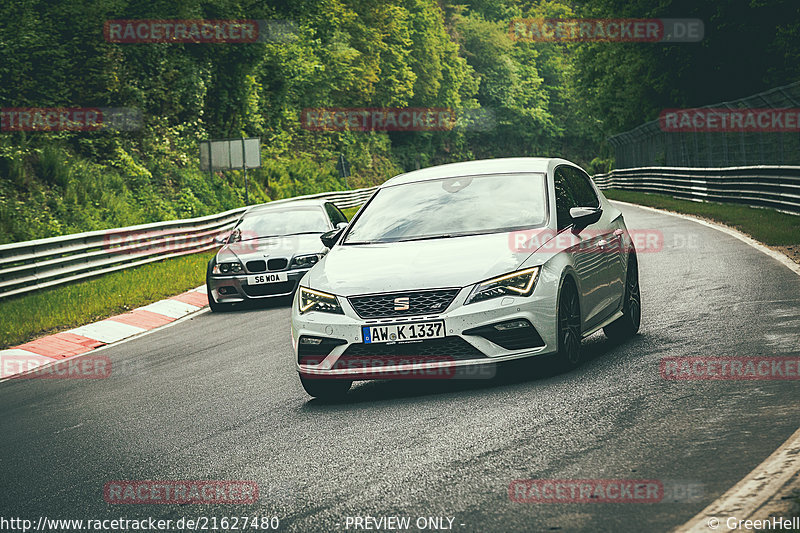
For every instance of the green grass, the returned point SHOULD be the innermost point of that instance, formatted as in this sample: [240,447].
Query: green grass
[765,225]
[28,316]
[350,211]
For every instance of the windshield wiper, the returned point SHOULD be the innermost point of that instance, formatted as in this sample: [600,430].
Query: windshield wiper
[279,236]
[429,237]
[365,242]
[389,241]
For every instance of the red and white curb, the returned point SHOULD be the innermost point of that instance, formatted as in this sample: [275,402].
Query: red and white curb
[53,348]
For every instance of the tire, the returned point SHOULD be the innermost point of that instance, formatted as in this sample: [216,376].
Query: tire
[213,305]
[568,356]
[326,388]
[627,325]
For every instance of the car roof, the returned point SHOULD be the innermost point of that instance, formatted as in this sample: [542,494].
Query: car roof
[477,168]
[288,203]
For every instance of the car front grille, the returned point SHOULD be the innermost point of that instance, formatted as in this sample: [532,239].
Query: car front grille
[269,289]
[390,305]
[256,266]
[277,264]
[446,347]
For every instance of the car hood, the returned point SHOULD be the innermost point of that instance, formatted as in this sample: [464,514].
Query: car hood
[350,270]
[287,246]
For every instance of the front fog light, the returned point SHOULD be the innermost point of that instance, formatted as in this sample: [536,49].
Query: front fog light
[512,324]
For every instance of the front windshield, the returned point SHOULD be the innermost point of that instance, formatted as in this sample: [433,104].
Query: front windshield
[451,207]
[271,223]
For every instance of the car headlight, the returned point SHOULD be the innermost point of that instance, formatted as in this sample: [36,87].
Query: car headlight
[519,283]
[311,300]
[305,261]
[226,268]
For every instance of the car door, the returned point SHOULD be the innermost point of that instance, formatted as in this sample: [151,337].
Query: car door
[607,238]
[584,249]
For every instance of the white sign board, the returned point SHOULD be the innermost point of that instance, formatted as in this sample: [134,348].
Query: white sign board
[230,154]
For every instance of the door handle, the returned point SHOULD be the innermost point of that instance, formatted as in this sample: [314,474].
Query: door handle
[616,236]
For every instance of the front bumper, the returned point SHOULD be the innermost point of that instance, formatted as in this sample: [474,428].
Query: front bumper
[234,289]
[344,355]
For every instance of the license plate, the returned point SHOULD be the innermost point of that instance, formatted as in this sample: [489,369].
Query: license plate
[403,332]
[260,279]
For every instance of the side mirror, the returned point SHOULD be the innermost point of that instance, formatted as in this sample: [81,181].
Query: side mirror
[329,238]
[220,239]
[584,216]
[341,225]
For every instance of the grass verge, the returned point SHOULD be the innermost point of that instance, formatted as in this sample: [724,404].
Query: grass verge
[764,225]
[51,310]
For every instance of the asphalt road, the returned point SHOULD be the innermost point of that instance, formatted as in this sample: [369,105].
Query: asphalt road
[216,397]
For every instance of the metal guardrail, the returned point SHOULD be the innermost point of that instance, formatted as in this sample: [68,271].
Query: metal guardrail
[32,265]
[773,186]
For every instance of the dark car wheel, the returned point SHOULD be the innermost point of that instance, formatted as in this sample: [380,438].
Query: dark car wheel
[569,328]
[627,325]
[326,388]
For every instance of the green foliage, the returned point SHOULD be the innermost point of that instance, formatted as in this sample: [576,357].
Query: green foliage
[546,99]
[748,47]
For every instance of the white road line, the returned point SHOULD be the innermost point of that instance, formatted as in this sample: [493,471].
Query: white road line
[747,496]
[760,485]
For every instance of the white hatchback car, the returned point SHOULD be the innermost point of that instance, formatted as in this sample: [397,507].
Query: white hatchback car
[466,264]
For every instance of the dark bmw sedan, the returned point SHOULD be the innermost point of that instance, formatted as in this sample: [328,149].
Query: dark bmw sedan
[269,249]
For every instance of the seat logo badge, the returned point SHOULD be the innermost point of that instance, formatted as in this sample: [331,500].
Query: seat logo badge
[401,303]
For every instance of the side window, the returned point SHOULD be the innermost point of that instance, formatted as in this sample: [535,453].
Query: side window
[565,199]
[581,187]
[334,214]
